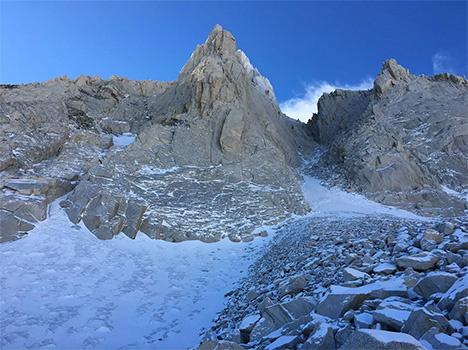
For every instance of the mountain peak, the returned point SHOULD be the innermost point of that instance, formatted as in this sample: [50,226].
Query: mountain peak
[221,40]
[397,71]
[390,74]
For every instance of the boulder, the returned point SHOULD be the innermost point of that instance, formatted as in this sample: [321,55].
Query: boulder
[350,274]
[267,302]
[338,301]
[421,320]
[385,269]
[434,339]
[321,338]
[342,335]
[303,325]
[434,282]
[341,299]
[446,228]
[12,227]
[422,261]
[458,291]
[273,318]
[363,320]
[80,197]
[133,217]
[460,310]
[25,186]
[411,277]
[431,239]
[29,208]
[373,339]
[293,286]
[27,199]
[392,313]
[458,241]
[246,327]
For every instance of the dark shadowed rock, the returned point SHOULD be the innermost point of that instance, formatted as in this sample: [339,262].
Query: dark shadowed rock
[421,320]
[321,338]
[458,290]
[293,286]
[460,310]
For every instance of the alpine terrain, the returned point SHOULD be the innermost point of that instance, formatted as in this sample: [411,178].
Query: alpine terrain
[129,212]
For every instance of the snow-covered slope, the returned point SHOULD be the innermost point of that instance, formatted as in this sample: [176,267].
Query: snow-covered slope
[323,201]
[63,287]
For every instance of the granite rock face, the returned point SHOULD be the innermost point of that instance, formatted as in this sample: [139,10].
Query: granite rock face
[209,155]
[214,159]
[402,143]
[52,134]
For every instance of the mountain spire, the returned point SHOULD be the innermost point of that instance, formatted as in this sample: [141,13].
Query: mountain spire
[221,41]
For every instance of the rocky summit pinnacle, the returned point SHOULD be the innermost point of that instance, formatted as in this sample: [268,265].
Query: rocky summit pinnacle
[221,40]
[212,154]
[391,72]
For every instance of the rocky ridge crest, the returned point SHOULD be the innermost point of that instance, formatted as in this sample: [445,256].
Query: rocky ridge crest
[403,143]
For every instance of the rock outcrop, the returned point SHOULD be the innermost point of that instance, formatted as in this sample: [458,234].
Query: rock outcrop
[402,143]
[209,155]
[52,134]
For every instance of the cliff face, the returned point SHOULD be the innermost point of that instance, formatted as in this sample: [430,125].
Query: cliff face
[403,143]
[51,134]
[211,157]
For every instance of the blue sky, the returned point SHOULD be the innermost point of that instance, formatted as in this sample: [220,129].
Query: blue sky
[297,45]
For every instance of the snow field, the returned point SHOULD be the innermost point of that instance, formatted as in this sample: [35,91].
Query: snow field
[62,287]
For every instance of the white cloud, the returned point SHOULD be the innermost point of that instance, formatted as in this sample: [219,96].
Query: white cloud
[302,107]
[442,63]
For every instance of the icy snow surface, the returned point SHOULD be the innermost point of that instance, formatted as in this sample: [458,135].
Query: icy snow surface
[62,287]
[124,140]
[455,193]
[365,318]
[324,201]
[278,343]
[447,339]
